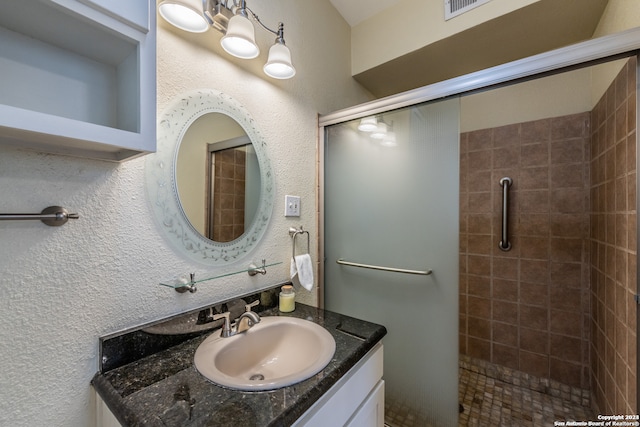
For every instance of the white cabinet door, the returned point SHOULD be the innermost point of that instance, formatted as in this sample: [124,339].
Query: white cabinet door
[371,412]
[104,416]
[132,12]
[342,401]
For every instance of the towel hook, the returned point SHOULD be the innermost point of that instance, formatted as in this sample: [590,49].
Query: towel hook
[293,232]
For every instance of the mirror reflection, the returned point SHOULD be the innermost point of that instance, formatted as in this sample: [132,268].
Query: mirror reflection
[218,177]
[194,132]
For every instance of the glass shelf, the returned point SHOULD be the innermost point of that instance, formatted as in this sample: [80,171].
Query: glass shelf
[247,270]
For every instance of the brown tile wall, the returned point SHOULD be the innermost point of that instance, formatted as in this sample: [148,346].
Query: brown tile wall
[613,246]
[527,308]
[560,304]
[229,191]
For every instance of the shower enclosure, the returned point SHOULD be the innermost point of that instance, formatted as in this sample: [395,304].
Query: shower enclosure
[392,202]
[395,211]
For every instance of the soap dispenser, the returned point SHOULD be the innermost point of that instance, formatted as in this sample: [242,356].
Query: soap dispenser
[287,299]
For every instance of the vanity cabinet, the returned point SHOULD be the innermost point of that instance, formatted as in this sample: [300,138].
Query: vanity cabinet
[79,77]
[356,400]
[144,378]
[104,417]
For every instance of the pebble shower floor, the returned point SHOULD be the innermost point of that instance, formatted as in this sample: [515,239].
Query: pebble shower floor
[493,396]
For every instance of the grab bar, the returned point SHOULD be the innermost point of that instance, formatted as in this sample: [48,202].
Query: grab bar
[377,267]
[53,216]
[504,244]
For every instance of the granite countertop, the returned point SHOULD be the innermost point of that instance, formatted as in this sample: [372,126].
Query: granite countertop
[164,388]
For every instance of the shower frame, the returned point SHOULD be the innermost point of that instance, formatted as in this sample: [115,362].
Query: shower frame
[603,49]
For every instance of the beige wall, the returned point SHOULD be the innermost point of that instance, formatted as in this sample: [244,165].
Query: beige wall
[573,92]
[527,101]
[412,24]
[619,15]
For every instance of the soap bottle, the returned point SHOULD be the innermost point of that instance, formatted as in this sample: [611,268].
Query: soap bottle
[287,299]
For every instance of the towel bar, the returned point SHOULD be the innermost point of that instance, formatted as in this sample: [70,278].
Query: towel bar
[293,232]
[53,216]
[377,267]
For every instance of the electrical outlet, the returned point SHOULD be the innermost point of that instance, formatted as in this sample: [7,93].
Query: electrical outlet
[291,206]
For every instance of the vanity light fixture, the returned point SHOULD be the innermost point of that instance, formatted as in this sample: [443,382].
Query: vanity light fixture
[231,18]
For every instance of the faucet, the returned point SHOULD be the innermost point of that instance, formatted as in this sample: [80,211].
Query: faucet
[243,323]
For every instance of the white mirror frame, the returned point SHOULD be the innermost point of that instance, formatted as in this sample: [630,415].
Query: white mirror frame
[160,176]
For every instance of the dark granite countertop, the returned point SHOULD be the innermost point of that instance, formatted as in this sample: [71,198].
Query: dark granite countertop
[164,388]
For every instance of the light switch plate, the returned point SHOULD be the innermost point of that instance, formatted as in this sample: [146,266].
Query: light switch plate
[291,206]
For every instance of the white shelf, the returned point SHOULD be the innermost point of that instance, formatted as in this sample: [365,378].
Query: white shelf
[77,80]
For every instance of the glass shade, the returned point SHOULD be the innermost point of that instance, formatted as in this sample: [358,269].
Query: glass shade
[380,132]
[279,64]
[389,140]
[184,14]
[240,39]
[368,124]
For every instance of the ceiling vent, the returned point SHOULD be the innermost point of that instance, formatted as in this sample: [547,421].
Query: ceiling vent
[453,8]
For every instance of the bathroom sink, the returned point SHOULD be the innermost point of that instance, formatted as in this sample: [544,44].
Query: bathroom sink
[275,353]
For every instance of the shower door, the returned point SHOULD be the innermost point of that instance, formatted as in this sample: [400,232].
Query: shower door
[394,203]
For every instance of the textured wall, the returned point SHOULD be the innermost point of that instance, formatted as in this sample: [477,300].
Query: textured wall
[61,288]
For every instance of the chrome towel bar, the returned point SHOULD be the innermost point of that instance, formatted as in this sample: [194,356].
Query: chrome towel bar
[377,267]
[53,216]
[504,244]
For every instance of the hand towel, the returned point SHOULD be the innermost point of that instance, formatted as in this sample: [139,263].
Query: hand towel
[303,267]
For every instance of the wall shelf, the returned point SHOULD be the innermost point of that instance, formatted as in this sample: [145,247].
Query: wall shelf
[252,269]
[79,78]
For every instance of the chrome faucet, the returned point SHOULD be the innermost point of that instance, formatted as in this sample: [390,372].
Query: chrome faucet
[243,323]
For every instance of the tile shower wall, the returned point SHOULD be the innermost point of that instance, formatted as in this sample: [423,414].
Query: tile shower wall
[229,191]
[560,304]
[528,308]
[613,246]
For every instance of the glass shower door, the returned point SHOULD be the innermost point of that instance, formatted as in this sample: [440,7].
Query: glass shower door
[394,202]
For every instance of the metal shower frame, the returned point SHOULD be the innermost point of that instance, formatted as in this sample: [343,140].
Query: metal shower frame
[591,52]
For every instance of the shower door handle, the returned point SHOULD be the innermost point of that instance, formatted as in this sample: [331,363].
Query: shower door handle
[504,244]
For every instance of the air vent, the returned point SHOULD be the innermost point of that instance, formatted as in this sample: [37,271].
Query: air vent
[453,8]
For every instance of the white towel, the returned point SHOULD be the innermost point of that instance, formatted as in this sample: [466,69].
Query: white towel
[302,267]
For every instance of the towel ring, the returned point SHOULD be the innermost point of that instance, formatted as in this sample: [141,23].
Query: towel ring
[293,232]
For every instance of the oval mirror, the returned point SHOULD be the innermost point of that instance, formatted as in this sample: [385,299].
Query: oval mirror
[210,181]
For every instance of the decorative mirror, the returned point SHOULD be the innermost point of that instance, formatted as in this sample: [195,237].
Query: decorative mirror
[210,181]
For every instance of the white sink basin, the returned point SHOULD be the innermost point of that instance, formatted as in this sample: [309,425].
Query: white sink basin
[277,352]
